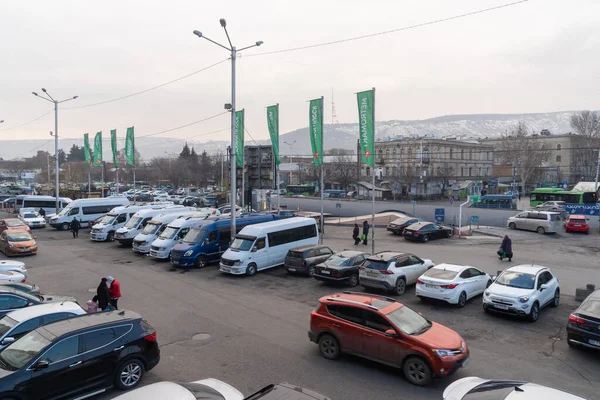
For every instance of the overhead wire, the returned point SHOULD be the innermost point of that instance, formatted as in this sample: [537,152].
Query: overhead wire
[27,123]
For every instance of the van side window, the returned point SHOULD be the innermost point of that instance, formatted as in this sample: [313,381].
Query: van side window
[74,211]
[212,236]
[121,218]
[183,232]
[260,243]
[145,221]
[224,238]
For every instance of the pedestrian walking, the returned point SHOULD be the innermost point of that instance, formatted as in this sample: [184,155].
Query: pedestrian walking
[42,212]
[75,225]
[92,305]
[519,196]
[505,250]
[114,290]
[103,295]
[356,234]
[365,235]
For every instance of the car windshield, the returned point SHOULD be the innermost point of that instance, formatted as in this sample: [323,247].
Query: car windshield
[408,321]
[107,219]
[439,273]
[169,233]
[23,350]
[195,236]
[337,260]
[6,324]
[19,237]
[516,279]
[242,244]
[14,222]
[31,215]
[133,222]
[591,307]
[64,211]
[151,228]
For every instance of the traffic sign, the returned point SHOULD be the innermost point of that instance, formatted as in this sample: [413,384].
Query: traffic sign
[413,202]
[338,205]
[439,214]
[474,220]
[475,199]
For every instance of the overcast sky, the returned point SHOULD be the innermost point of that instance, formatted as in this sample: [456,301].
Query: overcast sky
[537,56]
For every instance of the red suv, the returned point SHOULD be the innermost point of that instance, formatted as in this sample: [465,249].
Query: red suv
[381,329]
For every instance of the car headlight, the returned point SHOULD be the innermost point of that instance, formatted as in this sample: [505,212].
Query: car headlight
[143,243]
[188,253]
[22,268]
[523,299]
[11,245]
[443,353]
[238,262]
[487,292]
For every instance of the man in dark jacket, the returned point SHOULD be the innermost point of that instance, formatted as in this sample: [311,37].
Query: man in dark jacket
[75,227]
[103,295]
[42,212]
[356,234]
[506,247]
[365,232]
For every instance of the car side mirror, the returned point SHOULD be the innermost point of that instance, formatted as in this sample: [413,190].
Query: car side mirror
[391,333]
[543,287]
[421,262]
[42,364]
[494,277]
[8,340]
[254,248]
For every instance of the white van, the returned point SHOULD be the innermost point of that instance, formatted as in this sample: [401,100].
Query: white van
[176,231]
[143,241]
[265,245]
[115,219]
[86,211]
[48,203]
[136,224]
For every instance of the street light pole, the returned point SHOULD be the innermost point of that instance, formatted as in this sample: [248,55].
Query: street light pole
[291,160]
[231,107]
[56,103]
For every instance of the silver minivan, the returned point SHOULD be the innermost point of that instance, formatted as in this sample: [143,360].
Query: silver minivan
[538,221]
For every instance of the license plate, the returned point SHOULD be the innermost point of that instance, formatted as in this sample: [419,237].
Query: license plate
[174,262]
[594,342]
[226,269]
[577,225]
[501,306]
[431,286]
[24,250]
[292,269]
[372,273]
[325,272]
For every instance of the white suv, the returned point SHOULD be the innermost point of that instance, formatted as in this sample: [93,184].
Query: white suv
[522,290]
[392,271]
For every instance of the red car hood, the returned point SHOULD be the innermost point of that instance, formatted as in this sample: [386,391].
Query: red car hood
[440,337]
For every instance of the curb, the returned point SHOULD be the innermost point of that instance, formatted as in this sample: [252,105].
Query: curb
[488,234]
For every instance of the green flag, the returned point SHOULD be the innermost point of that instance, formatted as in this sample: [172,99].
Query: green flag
[86,149]
[130,147]
[98,150]
[113,145]
[316,130]
[366,119]
[273,123]
[239,138]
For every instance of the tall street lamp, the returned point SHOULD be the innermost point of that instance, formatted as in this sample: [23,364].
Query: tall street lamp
[56,103]
[292,161]
[231,107]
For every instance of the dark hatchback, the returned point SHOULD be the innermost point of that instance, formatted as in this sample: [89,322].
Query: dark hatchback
[426,231]
[13,299]
[79,356]
[304,259]
[583,328]
[341,267]
[397,226]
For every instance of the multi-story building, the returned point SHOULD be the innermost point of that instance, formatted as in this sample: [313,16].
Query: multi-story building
[259,166]
[432,166]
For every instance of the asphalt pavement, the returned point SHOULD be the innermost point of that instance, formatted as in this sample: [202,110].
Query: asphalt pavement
[251,332]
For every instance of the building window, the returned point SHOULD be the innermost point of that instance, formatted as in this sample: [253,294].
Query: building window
[368,171]
[462,154]
[558,158]
[394,171]
[439,155]
[394,151]
[488,156]
[487,171]
[558,147]
[470,154]
[450,153]
[470,170]
[462,171]
[479,171]
[387,171]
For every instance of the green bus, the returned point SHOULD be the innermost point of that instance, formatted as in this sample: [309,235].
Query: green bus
[541,195]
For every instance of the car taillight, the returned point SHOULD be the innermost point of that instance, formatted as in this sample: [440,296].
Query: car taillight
[24,279]
[450,286]
[575,319]
[388,272]
[419,282]
[151,337]
[417,232]
[361,267]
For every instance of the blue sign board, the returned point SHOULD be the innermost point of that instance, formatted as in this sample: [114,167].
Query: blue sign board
[474,220]
[338,205]
[585,209]
[439,214]
[413,202]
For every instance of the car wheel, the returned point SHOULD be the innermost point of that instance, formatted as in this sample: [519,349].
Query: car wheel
[425,238]
[251,269]
[417,371]
[200,262]
[449,234]
[311,270]
[129,374]
[110,237]
[462,299]
[512,225]
[556,300]
[65,226]
[534,313]
[329,347]
[541,230]
[400,286]
[353,281]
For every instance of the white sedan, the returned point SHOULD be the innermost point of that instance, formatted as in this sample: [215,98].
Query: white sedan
[454,284]
[203,389]
[33,220]
[466,388]
[10,265]
[11,276]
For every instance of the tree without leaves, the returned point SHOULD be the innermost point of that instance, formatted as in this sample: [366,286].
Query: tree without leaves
[586,124]
[343,171]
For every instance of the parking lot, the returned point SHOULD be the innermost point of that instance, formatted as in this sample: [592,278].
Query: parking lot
[251,332]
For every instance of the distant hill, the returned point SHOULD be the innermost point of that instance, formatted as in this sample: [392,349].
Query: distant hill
[342,136]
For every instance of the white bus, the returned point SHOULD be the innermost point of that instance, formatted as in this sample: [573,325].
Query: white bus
[117,218]
[48,203]
[86,211]
[262,246]
[143,241]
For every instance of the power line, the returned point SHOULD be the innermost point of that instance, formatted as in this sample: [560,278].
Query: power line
[28,122]
[34,149]
[405,28]
[186,125]
[149,89]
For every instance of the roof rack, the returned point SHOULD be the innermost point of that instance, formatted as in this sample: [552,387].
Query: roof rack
[370,295]
[351,302]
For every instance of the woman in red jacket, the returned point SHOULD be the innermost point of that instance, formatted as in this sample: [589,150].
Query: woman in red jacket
[115,291]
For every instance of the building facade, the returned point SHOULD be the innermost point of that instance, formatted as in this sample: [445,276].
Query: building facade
[259,168]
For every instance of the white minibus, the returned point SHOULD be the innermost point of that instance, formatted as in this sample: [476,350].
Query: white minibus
[115,219]
[143,241]
[48,203]
[86,211]
[136,224]
[265,245]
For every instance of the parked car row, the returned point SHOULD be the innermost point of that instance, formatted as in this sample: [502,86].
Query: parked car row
[413,228]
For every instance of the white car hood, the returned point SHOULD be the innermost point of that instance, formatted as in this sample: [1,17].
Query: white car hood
[99,226]
[11,263]
[162,242]
[507,291]
[457,389]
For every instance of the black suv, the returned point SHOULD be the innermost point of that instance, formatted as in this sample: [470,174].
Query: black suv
[78,356]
